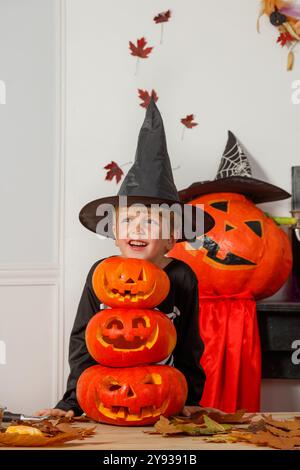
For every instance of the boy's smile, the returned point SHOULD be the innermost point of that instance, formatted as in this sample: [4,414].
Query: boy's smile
[138,245]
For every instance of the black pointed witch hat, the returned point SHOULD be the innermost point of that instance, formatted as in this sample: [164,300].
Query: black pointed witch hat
[149,180]
[234,175]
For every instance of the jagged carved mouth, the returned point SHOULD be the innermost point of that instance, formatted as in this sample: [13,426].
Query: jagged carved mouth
[124,412]
[212,249]
[127,294]
[136,344]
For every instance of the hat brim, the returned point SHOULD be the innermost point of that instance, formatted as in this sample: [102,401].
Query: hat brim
[89,217]
[256,190]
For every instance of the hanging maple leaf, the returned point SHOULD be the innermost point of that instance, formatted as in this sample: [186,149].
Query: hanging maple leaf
[140,50]
[113,171]
[145,97]
[284,38]
[188,123]
[162,17]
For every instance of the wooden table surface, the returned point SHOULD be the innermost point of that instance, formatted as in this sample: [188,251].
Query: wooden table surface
[133,438]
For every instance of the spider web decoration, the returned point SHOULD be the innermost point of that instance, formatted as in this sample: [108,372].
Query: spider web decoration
[234,161]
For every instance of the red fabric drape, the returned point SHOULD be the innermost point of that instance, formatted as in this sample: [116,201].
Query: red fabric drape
[232,355]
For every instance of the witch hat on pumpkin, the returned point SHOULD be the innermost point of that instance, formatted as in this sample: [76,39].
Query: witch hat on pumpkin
[149,181]
[234,175]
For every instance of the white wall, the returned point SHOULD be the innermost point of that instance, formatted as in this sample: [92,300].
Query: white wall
[30,127]
[28,132]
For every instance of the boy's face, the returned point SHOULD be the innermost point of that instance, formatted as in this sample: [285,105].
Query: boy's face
[141,233]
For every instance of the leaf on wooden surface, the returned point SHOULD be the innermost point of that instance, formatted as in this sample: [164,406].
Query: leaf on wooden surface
[222,439]
[287,424]
[267,439]
[239,417]
[25,440]
[52,434]
[163,426]
[209,427]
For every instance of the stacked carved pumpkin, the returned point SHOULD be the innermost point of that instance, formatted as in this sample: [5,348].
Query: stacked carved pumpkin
[126,388]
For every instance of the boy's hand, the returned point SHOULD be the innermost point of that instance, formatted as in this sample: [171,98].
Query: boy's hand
[189,410]
[55,412]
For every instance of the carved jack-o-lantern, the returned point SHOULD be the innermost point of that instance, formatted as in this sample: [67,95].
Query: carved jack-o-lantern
[130,282]
[131,396]
[126,337]
[245,250]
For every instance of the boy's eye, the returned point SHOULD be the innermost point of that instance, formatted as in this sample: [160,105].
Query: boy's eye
[125,220]
[152,221]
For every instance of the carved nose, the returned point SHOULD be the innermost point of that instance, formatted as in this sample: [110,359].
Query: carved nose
[130,392]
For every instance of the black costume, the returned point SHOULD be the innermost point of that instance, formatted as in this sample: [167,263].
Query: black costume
[181,306]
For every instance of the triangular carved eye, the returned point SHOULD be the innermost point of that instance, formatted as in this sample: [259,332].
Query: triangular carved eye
[255,226]
[152,379]
[221,205]
[228,227]
[114,387]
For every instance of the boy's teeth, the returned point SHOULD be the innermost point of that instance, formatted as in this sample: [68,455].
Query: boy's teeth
[137,243]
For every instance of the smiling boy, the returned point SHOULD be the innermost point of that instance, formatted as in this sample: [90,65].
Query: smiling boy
[144,229]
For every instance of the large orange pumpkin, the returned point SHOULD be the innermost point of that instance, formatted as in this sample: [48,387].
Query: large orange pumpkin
[127,337]
[244,252]
[130,282]
[131,396]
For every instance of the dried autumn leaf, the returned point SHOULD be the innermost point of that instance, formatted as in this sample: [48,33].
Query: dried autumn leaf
[65,427]
[114,171]
[286,424]
[215,427]
[239,417]
[140,50]
[145,97]
[209,427]
[277,431]
[162,17]
[222,439]
[265,438]
[23,440]
[46,426]
[188,121]
[256,426]
[203,430]
[164,427]
[82,432]
[73,419]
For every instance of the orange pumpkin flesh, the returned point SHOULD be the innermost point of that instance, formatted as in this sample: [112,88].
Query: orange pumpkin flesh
[130,282]
[131,396]
[244,252]
[127,337]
